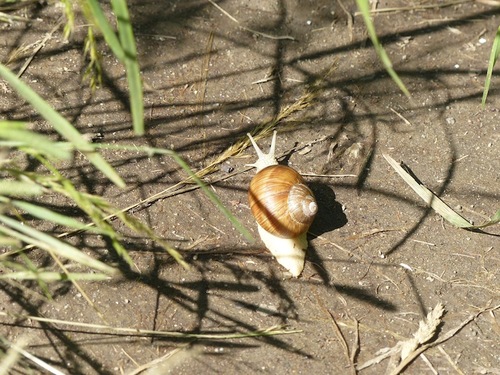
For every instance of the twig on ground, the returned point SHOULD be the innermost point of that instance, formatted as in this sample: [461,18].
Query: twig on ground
[338,333]
[40,44]
[417,7]
[404,349]
[429,364]
[284,37]
[120,331]
[328,175]
[355,344]
[350,20]
[401,117]
[452,362]
[448,335]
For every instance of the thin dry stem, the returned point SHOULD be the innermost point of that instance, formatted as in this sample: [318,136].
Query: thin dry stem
[271,331]
[451,333]
[284,37]
[451,361]
[417,7]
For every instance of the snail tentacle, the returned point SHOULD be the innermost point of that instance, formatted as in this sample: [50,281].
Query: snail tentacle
[264,160]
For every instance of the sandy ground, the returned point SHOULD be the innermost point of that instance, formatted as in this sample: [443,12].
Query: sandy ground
[378,261]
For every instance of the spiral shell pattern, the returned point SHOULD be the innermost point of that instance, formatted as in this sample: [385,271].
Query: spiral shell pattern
[281,202]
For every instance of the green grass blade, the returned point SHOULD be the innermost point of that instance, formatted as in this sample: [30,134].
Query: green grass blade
[139,227]
[17,131]
[211,195]
[429,197]
[106,30]
[494,220]
[48,277]
[27,266]
[61,125]
[126,35]
[19,188]
[364,8]
[10,242]
[125,50]
[54,217]
[49,243]
[435,202]
[495,52]
[12,355]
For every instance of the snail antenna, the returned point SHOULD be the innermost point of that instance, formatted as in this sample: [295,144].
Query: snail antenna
[264,160]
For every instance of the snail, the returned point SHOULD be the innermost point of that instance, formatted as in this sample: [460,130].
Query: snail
[284,208]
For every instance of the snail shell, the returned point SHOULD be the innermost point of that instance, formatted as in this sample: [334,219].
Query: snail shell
[281,202]
[284,208]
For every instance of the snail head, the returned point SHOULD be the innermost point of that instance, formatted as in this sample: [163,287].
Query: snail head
[264,160]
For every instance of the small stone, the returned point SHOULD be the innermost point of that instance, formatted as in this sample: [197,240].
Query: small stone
[450,120]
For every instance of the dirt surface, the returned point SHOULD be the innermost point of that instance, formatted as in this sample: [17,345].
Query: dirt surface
[378,261]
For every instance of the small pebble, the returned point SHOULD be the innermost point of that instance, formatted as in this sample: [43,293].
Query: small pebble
[227,168]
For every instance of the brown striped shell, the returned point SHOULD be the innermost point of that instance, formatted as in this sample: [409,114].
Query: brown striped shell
[281,202]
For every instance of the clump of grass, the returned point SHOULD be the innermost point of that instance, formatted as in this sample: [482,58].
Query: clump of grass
[19,187]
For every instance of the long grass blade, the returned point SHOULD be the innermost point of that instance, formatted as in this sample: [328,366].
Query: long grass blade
[124,48]
[495,52]
[26,265]
[435,202]
[44,241]
[211,195]
[17,131]
[54,217]
[126,35]
[19,188]
[192,175]
[364,8]
[48,369]
[47,276]
[61,125]
[107,31]
[10,358]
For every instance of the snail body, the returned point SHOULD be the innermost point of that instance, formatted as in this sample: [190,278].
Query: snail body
[284,208]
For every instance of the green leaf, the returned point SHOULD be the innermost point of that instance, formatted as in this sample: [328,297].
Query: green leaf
[19,188]
[44,241]
[435,202]
[495,52]
[54,217]
[126,35]
[47,277]
[61,125]
[16,131]
[364,8]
